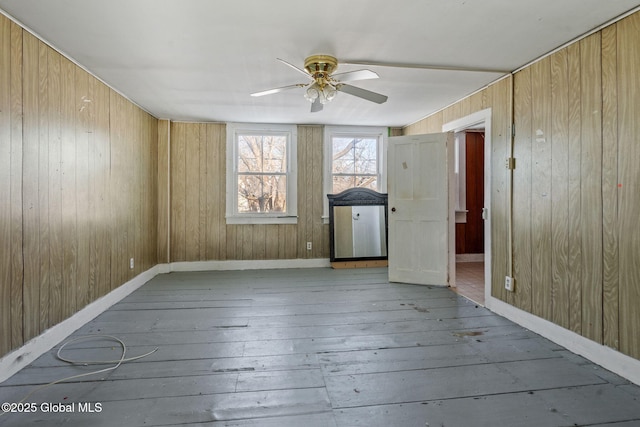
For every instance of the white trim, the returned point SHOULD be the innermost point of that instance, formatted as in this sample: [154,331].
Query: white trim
[35,347]
[262,219]
[18,359]
[604,356]
[289,217]
[469,257]
[479,117]
[249,264]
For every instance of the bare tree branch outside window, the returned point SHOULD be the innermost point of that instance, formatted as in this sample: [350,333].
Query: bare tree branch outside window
[262,173]
[355,163]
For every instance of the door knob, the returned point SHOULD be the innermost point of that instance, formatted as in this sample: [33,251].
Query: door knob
[393,209]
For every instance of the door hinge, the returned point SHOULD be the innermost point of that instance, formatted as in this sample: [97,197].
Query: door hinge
[513,130]
[511,163]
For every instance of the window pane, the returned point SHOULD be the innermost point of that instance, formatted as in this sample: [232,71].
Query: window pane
[365,156]
[357,157]
[341,183]
[367,182]
[274,149]
[262,153]
[343,155]
[249,153]
[262,193]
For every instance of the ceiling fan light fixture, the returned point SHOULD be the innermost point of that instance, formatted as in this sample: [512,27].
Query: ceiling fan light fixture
[324,85]
[327,94]
[312,92]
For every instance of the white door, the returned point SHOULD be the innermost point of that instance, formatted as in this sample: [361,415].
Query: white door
[418,208]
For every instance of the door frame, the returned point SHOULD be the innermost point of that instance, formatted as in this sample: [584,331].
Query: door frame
[482,117]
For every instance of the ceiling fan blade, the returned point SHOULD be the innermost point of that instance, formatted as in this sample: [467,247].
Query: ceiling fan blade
[277,89]
[300,70]
[316,105]
[362,93]
[350,76]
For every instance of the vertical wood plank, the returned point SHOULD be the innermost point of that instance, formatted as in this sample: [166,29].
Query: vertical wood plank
[118,190]
[610,254]
[213,197]
[31,240]
[82,106]
[271,241]
[258,241]
[163,190]
[152,125]
[138,194]
[192,192]
[501,117]
[6,160]
[246,236]
[94,197]
[541,187]
[69,218]
[308,184]
[575,198]
[202,197]
[291,240]
[130,163]
[628,63]
[102,164]
[560,188]
[522,257]
[220,144]
[591,187]
[178,188]
[43,183]
[16,125]
[317,188]
[55,190]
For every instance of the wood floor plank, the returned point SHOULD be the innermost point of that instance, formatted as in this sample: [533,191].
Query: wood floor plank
[317,347]
[455,382]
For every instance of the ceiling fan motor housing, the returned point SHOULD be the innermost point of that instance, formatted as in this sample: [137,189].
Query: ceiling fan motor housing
[320,67]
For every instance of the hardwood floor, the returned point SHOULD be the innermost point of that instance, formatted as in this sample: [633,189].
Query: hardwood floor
[470,281]
[318,347]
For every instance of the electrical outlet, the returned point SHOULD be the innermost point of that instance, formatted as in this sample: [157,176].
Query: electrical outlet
[308,246]
[509,283]
[131,263]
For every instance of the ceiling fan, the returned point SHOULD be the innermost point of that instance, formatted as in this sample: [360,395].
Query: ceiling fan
[324,85]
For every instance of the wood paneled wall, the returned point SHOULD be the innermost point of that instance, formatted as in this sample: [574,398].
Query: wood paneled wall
[198,229]
[576,205]
[78,192]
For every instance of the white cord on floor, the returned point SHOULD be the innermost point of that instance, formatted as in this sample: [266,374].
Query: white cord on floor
[117,362]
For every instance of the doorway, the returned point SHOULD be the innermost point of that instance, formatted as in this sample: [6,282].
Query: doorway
[471,261]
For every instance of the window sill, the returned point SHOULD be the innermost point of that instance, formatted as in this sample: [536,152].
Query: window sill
[261,219]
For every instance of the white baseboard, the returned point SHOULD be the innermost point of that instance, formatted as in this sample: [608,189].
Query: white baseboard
[249,264]
[14,361]
[469,257]
[35,347]
[11,363]
[608,358]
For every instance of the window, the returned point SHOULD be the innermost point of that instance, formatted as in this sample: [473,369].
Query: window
[261,174]
[354,157]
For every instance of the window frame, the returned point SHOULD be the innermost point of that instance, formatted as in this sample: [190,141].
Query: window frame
[232,215]
[378,132]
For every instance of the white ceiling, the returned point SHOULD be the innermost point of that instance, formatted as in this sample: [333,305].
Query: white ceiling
[198,60]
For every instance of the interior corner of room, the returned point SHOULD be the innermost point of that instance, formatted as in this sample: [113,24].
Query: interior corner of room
[97,196]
